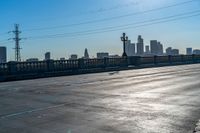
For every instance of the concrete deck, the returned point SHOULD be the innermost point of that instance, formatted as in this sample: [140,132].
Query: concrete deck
[162,100]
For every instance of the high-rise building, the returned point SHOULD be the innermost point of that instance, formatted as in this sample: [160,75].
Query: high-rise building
[189,51]
[140,46]
[154,47]
[3,55]
[169,51]
[86,55]
[47,56]
[147,49]
[130,48]
[160,49]
[102,55]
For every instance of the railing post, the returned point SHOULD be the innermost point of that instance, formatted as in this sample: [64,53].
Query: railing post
[182,58]
[130,60]
[137,60]
[170,59]
[105,62]
[123,61]
[127,61]
[12,67]
[193,58]
[50,65]
[81,63]
[155,60]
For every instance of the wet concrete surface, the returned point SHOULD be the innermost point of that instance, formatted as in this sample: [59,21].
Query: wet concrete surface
[160,100]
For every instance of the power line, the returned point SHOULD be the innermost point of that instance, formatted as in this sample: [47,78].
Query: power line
[100,10]
[126,26]
[3,40]
[111,18]
[94,32]
[3,33]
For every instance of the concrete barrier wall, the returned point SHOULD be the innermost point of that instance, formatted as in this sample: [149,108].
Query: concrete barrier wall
[13,70]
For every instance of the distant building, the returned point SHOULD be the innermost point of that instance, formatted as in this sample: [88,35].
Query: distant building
[47,56]
[3,55]
[86,55]
[147,49]
[169,51]
[73,57]
[160,49]
[156,47]
[32,60]
[63,58]
[140,46]
[102,55]
[175,52]
[189,51]
[196,51]
[114,56]
[130,48]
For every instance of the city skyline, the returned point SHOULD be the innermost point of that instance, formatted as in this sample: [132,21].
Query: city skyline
[138,48]
[91,16]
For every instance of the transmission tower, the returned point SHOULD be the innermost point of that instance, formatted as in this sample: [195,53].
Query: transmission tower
[17,40]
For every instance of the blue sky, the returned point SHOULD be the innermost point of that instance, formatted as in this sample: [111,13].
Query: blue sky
[39,18]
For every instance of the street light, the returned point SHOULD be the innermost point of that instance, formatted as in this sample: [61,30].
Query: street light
[124,39]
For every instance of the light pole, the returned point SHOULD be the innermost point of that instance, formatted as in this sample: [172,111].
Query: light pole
[124,39]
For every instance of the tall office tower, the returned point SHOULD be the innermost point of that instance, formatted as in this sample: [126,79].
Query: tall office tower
[3,55]
[147,49]
[47,56]
[169,51]
[140,46]
[154,47]
[189,51]
[86,55]
[130,48]
[160,49]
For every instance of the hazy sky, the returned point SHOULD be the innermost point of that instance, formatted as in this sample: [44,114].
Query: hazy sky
[65,27]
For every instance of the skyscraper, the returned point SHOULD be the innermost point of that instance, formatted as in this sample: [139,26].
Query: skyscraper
[169,51]
[140,46]
[130,48]
[3,55]
[189,51]
[160,49]
[147,49]
[154,47]
[86,55]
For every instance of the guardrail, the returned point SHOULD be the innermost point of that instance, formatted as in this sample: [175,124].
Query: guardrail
[53,66]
